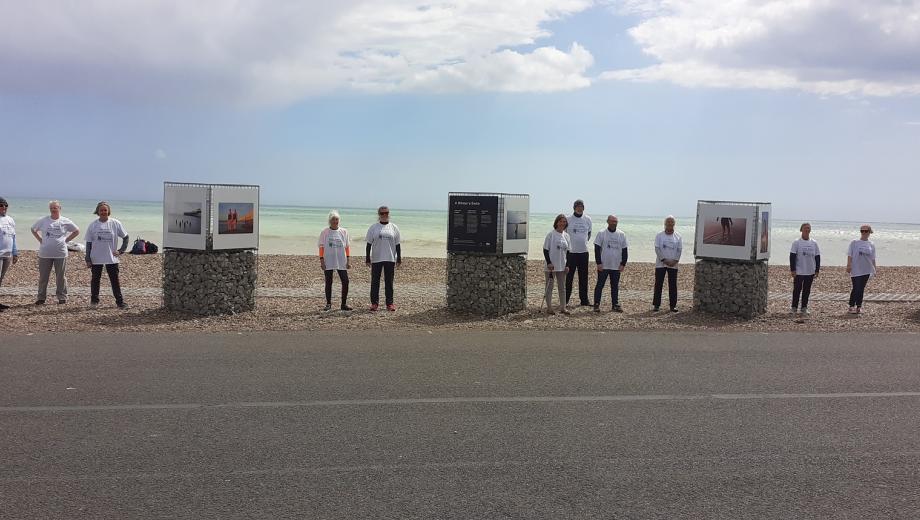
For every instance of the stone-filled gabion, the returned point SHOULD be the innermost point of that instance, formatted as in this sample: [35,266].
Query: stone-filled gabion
[486,284]
[731,288]
[209,282]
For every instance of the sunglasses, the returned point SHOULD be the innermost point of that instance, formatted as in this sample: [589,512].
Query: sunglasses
[865,231]
[384,213]
[3,206]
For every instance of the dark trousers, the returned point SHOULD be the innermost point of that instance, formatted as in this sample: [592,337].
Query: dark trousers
[659,284]
[343,277]
[112,271]
[388,269]
[801,286]
[577,261]
[859,289]
[602,276]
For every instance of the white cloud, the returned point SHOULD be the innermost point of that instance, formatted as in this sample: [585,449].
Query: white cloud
[829,47]
[279,51]
[160,154]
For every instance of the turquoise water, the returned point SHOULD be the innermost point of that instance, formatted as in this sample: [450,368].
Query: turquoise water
[294,230]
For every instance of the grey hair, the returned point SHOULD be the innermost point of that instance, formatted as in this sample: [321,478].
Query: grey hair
[333,214]
[54,203]
[671,217]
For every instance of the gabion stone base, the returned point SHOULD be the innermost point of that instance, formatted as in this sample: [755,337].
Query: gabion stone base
[209,282]
[731,288]
[486,284]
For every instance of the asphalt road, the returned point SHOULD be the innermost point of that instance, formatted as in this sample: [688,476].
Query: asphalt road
[460,425]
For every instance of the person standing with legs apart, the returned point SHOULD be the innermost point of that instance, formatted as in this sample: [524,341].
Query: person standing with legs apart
[9,254]
[53,232]
[580,231]
[668,248]
[335,257]
[805,262]
[556,248]
[383,255]
[610,252]
[102,251]
[860,266]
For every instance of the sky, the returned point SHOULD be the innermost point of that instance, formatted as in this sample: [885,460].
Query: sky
[640,107]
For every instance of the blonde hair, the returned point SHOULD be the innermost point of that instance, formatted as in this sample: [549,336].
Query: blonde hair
[54,203]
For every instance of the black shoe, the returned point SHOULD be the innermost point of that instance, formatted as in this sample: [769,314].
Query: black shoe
[656,308]
[122,305]
[597,308]
[62,302]
[328,307]
[586,304]
[39,302]
[94,303]
[345,307]
[673,309]
[617,308]
[4,307]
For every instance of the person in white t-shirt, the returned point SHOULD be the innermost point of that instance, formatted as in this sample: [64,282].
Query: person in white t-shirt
[383,255]
[580,231]
[860,266]
[805,263]
[668,248]
[335,257]
[9,254]
[102,251]
[53,232]
[611,251]
[556,247]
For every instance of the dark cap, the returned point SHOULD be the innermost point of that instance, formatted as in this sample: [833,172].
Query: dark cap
[577,203]
[3,201]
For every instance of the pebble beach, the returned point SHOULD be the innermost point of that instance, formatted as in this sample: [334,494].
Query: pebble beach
[420,299]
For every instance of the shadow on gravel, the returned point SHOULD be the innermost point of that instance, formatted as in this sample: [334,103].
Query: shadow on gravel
[914,317]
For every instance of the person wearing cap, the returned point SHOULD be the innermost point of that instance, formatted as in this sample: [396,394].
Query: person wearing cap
[9,254]
[805,263]
[53,232]
[860,266]
[668,248]
[611,251]
[579,230]
[335,257]
[383,255]
[102,251]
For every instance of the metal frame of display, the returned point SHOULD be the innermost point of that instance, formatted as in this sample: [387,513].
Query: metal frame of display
[753,232]
[209,204]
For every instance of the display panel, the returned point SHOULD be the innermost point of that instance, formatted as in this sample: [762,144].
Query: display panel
[235,221]
[766,213]
[185,216]
[726,230]
[516,217]
[472,223]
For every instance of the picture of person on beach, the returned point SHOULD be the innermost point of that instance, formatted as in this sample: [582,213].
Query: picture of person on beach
[668,248]
[53,232]
[102,251]
[610,253]
[383,254]
[556,247]
[860,266]
[726,228]
[805,263]
[764,231]
[725,231]
[579,229]
[9,253]
[335,257]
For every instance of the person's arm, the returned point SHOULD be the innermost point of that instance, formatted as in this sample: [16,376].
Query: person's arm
[817,264]
[792,260]
[546,257]
[398,254]
[15,251]
[37,235]
[849,264]
[72,235]
[597,256]
[367,254]
[625,253]
[89,248]
[124,245]
[658,254]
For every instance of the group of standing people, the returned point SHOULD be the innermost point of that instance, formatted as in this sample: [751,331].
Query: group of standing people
[53,232]
[232,219]
[567,252]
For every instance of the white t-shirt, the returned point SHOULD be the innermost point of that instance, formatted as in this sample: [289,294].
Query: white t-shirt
[805,253]
[558,244]
[668,247]
[54,236]
[612,244]
[334,243]
[862,253]
[7,234]
[104,236]
[383,239]
[580,231]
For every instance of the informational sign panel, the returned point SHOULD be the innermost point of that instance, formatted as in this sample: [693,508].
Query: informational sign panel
[472,223]
[185,216]
[733,230]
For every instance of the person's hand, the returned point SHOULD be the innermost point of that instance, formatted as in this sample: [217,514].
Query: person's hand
[549,267]
[849,269]
[816,274]
[322,264]
[119,253]
[622,267]
[367,262]
[15,259]
[399,265]
[347,263]
[89,265]
[566,269]
[793,274]
[600,267]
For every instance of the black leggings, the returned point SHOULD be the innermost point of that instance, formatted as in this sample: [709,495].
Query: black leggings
[859,289]
[659,285]
[343,276]
[801,286]
[112,271]
[387,268]
[577,262]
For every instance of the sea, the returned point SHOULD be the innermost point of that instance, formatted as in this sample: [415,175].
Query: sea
[293,230]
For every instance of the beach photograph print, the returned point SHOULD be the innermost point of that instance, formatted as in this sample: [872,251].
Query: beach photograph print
[765,231]
[725,231]
[235,218]
[516,225]
[184,218]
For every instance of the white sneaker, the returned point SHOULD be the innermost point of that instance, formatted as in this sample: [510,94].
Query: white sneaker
[794,311]
[804,310]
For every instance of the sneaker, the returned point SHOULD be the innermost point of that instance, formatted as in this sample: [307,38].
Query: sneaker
[550,312]
[565,311]
[328,307]
[62,302]
[39,302]
[374,307]
[345,307]
[794,311]
[122,305]
[94,304]
[597,308]
[858,310]
[391,307]
[617,308]
[805,310]
[852,310]
[585,304]
[674,309]
[656,309]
